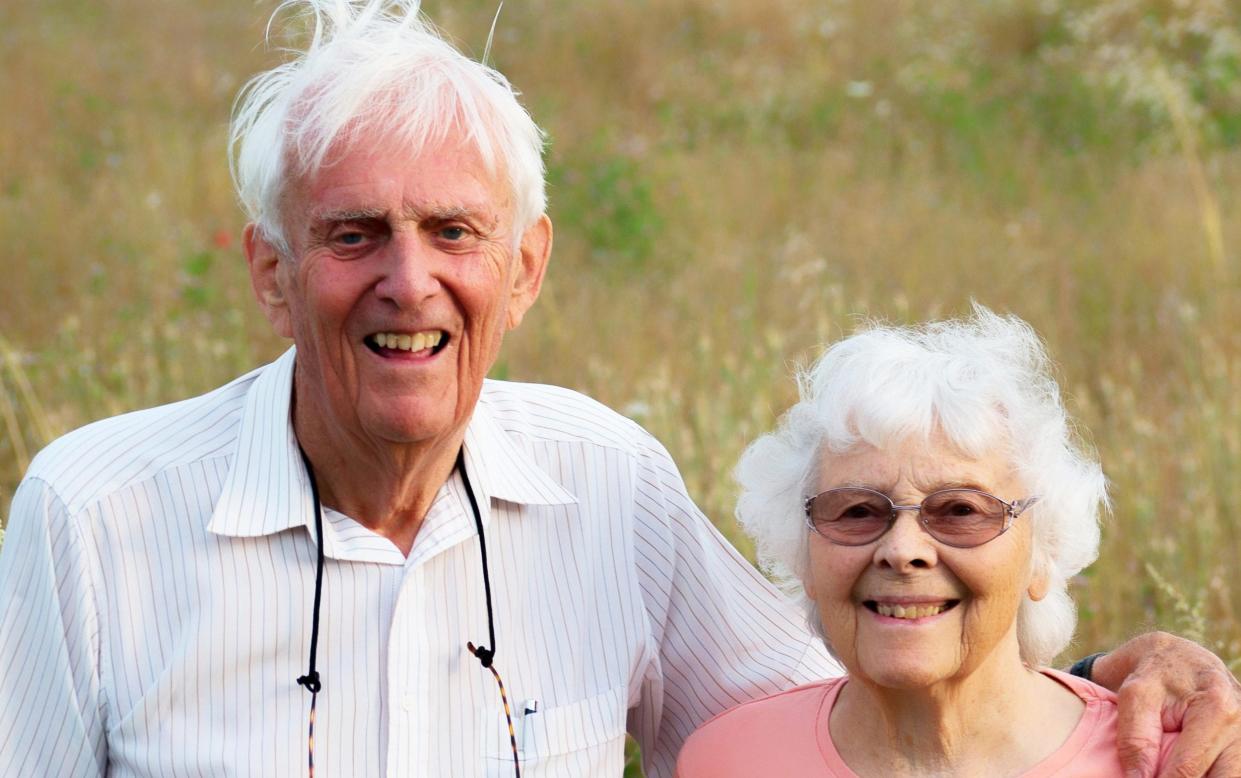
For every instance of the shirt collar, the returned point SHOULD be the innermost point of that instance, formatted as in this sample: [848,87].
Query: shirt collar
[501,469]
[266,489]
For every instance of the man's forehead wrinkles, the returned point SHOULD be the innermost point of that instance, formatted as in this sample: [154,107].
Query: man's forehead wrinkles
[483,212]
[335,214]
[415,211]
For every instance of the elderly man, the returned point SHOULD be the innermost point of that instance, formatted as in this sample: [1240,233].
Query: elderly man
[364,559]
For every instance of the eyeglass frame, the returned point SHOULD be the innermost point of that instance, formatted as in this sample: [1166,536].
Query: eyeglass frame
[1012,510]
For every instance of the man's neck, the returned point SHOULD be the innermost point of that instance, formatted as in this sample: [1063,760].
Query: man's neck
[385,488]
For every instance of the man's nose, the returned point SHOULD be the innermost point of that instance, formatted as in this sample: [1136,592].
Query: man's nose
[409,270]
[906,546]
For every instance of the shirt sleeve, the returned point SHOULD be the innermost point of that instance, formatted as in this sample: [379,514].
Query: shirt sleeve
[721,633]
[51,719]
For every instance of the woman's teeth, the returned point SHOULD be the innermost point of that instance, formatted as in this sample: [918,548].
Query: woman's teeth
[407,342]
[910,611]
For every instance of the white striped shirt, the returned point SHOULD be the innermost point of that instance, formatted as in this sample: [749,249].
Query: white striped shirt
[157,580]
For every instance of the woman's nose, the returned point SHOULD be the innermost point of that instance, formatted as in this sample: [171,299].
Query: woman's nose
[906,545]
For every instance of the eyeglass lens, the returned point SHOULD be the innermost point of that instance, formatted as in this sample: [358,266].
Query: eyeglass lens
[959,517]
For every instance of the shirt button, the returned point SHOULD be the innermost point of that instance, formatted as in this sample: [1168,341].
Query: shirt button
[409,700]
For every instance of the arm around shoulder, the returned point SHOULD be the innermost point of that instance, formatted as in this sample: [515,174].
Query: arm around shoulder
[723,633]
[1165,683]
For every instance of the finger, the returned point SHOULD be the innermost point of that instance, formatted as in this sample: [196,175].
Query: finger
[1139,726]
[1229,762]
[1206,729]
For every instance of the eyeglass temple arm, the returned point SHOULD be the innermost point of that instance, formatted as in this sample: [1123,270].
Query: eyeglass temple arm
[1019,507]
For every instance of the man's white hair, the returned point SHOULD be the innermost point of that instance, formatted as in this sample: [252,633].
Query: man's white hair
[375,68]
[985,382]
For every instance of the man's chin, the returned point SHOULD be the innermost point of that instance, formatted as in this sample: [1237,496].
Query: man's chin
[397,427]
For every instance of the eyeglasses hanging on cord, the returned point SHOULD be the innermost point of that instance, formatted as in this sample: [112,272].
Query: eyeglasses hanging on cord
[484,654]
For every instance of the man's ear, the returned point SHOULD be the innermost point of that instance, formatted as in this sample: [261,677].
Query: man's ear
[533,254]
[264,263]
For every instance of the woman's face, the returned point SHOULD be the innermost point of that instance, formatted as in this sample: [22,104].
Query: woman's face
[959,604]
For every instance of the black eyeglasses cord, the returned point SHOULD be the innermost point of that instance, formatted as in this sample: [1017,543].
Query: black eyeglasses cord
[484,654]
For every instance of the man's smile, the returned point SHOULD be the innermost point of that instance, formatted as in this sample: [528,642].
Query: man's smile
[422,343]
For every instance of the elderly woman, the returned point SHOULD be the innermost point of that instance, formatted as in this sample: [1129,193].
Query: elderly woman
[929,502]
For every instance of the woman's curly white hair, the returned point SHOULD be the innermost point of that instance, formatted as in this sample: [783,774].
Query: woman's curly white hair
[984,381]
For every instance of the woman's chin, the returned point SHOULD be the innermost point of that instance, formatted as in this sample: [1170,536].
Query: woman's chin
[902,672]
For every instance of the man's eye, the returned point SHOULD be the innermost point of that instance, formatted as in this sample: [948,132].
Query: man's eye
[350,238]
[453,233]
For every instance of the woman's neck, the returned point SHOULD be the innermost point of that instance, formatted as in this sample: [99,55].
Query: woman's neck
[1001,719]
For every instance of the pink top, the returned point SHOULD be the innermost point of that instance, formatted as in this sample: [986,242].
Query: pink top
[786,734]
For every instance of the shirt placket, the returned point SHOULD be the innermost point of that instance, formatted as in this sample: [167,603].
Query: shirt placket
[411,690]
[408,680]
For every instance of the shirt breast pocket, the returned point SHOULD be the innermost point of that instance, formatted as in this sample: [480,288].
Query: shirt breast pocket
[581,738]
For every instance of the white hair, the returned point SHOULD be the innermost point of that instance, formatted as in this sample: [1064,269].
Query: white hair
[375,66]
[984,382]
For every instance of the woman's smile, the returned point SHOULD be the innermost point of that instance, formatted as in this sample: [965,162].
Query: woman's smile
[909,611]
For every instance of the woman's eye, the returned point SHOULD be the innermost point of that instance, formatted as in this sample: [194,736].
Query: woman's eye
[862,511]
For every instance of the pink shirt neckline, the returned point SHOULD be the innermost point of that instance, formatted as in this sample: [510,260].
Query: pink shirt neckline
[1095,697]
[786,734]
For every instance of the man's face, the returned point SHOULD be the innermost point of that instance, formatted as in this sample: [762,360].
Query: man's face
[402,280]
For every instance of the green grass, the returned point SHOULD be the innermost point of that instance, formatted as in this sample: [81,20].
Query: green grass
[733,184]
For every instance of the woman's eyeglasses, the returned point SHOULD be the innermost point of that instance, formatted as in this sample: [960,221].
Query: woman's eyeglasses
[963,518]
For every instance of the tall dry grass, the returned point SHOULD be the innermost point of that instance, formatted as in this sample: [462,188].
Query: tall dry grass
[734,185]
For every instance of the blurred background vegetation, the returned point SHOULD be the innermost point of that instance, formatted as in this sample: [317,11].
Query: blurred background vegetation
[734,185]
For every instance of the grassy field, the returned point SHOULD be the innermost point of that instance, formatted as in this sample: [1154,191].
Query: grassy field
[734,184]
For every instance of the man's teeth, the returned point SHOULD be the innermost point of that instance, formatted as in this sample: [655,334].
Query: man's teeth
[406,342]
[910,611]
